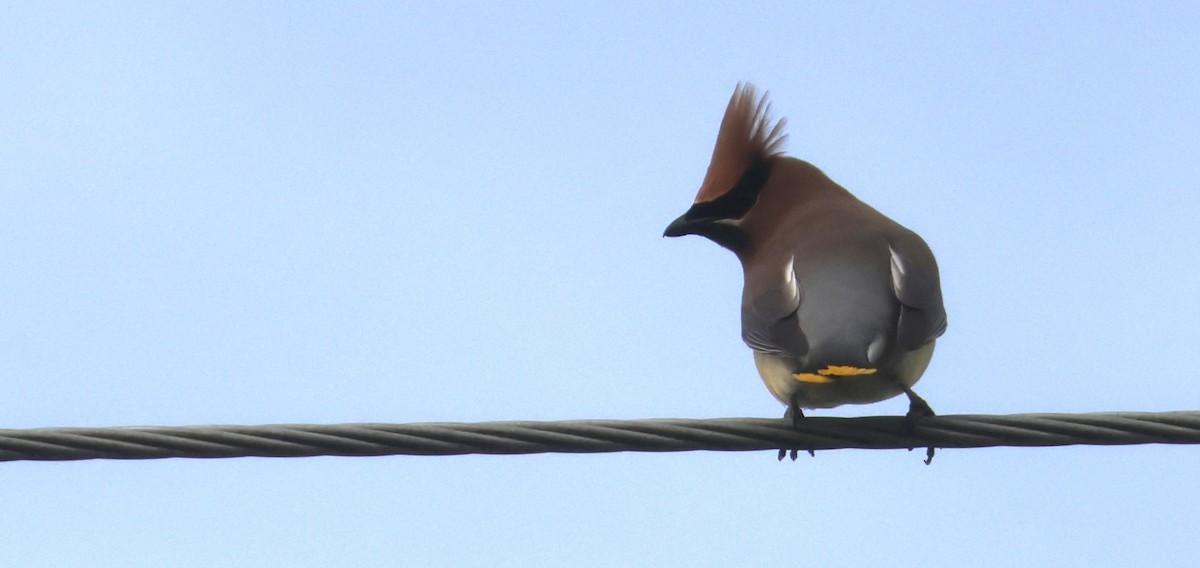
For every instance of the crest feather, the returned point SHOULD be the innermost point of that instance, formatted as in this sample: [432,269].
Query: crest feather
[746,137]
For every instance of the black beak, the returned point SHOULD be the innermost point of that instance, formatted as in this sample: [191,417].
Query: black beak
[707,221]
[680,227]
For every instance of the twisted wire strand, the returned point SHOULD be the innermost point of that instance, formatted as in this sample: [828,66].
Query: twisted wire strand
[598,436]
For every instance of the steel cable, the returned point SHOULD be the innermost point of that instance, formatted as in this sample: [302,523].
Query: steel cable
[598,436]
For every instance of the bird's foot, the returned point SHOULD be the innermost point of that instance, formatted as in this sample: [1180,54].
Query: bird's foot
[796,416]
[918,409]
[783,452]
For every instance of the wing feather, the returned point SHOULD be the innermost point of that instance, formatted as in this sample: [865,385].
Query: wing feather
[917,285]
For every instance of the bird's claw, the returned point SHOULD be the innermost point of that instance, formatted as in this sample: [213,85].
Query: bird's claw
[794,453]
[797,417]
[918,409]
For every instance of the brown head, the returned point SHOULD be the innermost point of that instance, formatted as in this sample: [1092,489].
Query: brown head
[751,190]
[748,147]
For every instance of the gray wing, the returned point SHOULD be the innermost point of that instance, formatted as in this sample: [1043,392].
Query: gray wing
[769,315]
[917,285]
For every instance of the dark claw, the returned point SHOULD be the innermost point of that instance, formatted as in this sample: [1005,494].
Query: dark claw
[918,409]
[797,416]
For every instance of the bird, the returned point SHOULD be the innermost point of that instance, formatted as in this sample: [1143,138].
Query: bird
[840,304]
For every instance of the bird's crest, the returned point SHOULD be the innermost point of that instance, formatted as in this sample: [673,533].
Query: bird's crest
[747,137]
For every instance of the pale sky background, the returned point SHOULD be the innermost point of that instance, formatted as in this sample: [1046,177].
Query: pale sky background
[250,213]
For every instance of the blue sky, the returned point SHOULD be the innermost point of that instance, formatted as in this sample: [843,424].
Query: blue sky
[253,213]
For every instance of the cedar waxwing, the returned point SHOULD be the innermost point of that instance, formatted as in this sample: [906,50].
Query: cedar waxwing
[840,304]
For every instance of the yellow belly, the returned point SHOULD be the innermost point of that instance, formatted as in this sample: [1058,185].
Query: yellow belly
[838,385]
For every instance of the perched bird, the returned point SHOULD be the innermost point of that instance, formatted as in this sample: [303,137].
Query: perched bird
[840,304]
